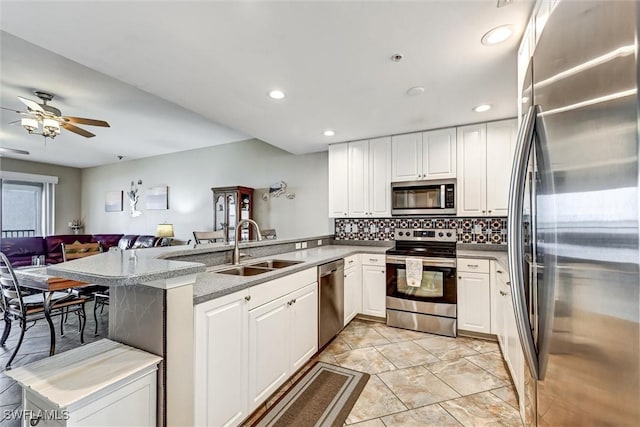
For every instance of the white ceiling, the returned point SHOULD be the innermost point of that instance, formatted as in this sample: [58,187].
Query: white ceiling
[176,75]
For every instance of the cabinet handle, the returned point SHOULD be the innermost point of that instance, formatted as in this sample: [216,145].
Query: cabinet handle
[345,276]
[350,261]
[373,259]
[294,301]
[460,277]
[508,283]
[289,303]
[472,265]
[499,271]
[247,298]
[503,293]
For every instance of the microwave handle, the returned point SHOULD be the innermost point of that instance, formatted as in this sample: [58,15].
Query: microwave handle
[442,195]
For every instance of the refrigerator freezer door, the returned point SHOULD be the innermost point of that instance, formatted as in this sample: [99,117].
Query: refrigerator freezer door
[586,222]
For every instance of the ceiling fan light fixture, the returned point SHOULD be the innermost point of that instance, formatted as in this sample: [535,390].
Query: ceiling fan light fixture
[50,127]
[29,124]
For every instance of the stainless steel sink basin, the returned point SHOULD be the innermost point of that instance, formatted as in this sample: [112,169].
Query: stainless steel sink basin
[245,270]
[275,263]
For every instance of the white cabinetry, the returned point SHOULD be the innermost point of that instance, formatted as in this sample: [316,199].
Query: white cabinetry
[221,358]
[485,156]
[283,333]
[374,285]
[369,178]
[250,342]
[474,295]
[424,155]
[338,177]
[506,327]
[352,288]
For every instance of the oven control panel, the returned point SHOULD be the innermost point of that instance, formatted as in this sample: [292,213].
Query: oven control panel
[426,234]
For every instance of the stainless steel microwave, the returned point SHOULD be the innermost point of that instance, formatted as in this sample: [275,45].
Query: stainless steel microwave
[432,197]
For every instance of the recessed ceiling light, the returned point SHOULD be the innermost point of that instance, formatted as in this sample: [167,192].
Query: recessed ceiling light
[329,132]
[482,108]
[276,94]
[417,90]
[497,35]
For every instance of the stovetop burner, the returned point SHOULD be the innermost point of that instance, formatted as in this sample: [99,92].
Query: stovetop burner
[422,242]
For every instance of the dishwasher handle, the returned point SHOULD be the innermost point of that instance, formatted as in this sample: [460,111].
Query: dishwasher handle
[330,268]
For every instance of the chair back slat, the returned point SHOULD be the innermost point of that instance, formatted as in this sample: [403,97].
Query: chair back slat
[77,250]
[208,236]
[9,284]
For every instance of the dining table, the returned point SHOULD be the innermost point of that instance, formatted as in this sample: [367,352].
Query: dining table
[37,279]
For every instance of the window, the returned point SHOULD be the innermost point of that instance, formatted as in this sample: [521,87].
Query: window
[27,204]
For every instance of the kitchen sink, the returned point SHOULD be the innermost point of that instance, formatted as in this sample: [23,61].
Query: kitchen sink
[275,263]
[245,270]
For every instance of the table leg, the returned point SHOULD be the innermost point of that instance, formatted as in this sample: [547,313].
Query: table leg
[47,315]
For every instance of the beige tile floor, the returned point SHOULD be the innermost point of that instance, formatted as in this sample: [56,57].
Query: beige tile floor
[422,379]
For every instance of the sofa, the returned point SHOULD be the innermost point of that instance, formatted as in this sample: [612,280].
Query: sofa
[20,250]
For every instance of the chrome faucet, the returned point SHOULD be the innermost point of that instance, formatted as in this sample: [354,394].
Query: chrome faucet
[236,251]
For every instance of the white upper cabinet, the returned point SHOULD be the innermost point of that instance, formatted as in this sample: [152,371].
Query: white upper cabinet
[406,157]
[369,178]
[424,155]
[338,177]
[501,146]
[472,170]
[439,154]
[485,157]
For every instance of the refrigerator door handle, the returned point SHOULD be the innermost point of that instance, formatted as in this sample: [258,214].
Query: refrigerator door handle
[515,238]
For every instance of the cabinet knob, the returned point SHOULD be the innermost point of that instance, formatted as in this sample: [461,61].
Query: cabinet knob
[483,211]
[247,298]
[503,293]
[460,277]
[508,283]
[489,211]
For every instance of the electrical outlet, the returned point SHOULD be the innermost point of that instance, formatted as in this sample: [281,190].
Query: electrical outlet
[319,242]
[298,245]
[304,245]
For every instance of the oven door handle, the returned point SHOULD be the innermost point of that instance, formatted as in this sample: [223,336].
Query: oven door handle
[429,262]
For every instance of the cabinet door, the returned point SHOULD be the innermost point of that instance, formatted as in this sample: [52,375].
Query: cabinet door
[338,178]
[269,338]
[304,325]
[406,157]
[439,154]
[474,302]
[221,357]
[472,172]
[501,145]
[380,177]
[352,293]
[358,178]
[374,291]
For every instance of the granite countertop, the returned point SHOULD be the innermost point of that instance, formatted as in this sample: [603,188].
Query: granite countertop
[211,285]
[495,252]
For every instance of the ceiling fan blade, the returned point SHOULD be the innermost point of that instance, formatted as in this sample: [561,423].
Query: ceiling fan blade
[90,122]
[15,122]
[76,129]
[31,104]
[13,151]
[14,110]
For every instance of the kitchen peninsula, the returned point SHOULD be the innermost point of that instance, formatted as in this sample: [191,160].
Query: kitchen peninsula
[154,291]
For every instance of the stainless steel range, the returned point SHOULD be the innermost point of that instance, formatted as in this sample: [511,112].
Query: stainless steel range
[423,300]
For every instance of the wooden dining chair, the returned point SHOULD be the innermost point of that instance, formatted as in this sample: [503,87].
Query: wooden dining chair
[208,236]
[99,294]
[30,308]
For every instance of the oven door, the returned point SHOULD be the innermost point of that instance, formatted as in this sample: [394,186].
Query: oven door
[438,283]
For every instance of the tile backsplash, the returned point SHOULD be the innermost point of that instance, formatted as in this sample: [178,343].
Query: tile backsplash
[481,230]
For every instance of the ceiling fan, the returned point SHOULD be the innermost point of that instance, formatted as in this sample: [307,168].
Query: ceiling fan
[51,118]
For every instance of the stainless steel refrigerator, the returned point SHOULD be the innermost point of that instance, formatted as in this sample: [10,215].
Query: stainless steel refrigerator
[573,219]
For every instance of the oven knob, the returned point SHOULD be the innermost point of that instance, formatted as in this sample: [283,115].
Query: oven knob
[441,234]
[400,233]
[448,234]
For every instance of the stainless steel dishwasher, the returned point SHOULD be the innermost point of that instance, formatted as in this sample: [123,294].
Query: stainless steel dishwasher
[330,301]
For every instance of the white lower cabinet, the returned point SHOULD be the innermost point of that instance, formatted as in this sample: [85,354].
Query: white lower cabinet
[221,358]
[374,285]
[352,288]
[249,343]
[474,295]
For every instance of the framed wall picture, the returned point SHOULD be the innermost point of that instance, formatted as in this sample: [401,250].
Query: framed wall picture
[157,198]
[113,201]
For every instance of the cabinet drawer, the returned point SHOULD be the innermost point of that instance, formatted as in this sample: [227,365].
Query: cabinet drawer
[473,265]
[374,259]
[351,261]
[268,291]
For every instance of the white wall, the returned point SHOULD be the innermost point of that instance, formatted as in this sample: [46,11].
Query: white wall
[190,176]
[67,190]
